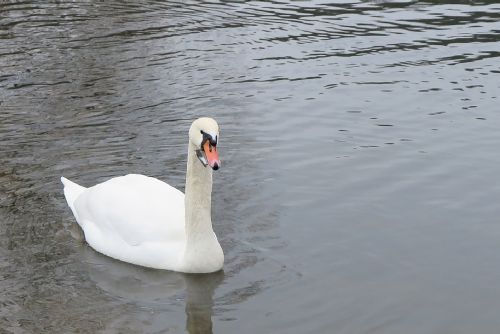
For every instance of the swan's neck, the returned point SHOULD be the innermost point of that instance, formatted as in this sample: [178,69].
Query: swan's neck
[198,197]
[203,252]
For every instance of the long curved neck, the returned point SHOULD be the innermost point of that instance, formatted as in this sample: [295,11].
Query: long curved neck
[198,198]
[202,253]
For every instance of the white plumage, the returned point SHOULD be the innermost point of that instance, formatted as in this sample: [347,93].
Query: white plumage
[144,221]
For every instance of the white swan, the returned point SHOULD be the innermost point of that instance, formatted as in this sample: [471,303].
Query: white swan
[144,221]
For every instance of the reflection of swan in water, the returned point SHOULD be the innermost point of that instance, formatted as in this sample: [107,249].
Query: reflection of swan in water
[199,301]
[150,287]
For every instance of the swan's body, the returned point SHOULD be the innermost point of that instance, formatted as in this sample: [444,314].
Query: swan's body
[144,221]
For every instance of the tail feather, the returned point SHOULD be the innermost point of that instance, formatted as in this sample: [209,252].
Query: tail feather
[71,192]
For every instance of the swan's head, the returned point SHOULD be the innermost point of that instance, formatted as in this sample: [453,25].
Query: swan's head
[204,135]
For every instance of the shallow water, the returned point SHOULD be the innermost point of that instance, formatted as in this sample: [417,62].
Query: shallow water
[359,188]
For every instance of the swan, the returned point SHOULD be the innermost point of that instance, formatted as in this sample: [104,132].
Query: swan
[144,221]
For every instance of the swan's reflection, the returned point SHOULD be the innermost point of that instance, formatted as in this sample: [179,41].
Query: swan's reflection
[156,287]
[199,301]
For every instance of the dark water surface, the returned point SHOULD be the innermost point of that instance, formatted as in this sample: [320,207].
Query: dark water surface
[360,186]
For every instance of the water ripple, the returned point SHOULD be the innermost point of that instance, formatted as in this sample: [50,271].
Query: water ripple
[365,130]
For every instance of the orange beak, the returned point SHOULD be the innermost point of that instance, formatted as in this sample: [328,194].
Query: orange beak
[212,155]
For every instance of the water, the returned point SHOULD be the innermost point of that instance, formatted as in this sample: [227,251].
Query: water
[359,142]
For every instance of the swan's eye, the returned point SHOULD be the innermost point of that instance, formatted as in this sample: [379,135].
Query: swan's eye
[207,137]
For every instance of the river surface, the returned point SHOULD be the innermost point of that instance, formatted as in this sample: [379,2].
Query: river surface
[360,187]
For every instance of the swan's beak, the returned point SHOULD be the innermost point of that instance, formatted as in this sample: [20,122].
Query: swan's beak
[209,155]
[212,155]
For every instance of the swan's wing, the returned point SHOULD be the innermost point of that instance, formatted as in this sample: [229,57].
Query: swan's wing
[134,208]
